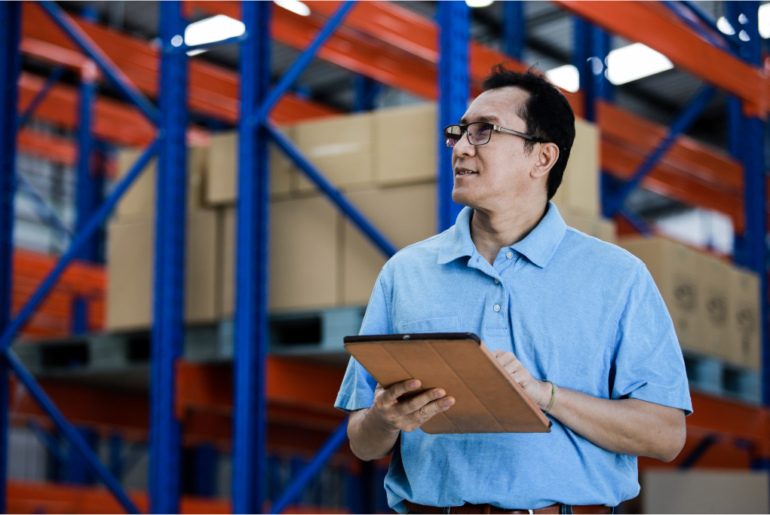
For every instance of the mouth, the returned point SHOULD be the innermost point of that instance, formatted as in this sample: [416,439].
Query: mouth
[464,172]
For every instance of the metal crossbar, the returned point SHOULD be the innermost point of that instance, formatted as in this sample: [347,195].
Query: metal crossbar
[80,239]
[682,122]
[75,438]
[116,77]
[311,469]
[49,83]
[302,62]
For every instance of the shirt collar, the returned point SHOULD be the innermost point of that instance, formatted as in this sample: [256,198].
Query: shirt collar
[538,246]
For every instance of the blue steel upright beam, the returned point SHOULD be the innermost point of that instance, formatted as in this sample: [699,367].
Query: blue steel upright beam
[514,29]
[747,142]
[453,87]
[168,321]
[10,65]
[252,253]
[592,46]
[88,184]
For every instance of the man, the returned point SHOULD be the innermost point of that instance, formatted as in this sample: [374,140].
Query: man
[551,303]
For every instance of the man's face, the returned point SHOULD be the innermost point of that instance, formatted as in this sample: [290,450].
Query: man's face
[503,172]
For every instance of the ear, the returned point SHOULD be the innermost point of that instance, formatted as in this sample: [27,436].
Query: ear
[547,155]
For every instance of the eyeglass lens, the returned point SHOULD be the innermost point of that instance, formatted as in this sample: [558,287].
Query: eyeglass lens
[479,133]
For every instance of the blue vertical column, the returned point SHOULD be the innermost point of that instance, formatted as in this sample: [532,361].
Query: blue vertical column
[168,321]
[454,23]
[747,143]
[366,92]
[252,239]
[514,29]
[10,64]
[89,180]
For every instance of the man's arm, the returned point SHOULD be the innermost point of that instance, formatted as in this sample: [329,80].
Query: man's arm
[625,426]
[373,431]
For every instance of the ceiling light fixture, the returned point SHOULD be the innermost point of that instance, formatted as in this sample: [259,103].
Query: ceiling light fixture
[634,62]
[210,30]
[294,6]
[764,21]
[479,3]
[724,26]
[566,77]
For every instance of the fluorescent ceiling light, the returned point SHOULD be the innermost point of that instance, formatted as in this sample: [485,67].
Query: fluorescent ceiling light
[294,6]
[633,62]
[725,28]
[764,21]
[216,28]
[479,3]
[566,77]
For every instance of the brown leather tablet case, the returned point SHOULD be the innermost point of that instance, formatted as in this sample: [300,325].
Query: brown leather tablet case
[487,399]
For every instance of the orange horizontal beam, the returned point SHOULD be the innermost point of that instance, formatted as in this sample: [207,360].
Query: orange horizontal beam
[213,89]
[52,148]
[655,26]
[290,383]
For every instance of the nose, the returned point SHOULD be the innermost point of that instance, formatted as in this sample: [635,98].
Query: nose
[463,147]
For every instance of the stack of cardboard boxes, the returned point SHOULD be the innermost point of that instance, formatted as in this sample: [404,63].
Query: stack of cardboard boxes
[385,162]
[714,305]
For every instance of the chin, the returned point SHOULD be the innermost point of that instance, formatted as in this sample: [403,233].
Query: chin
[462,198]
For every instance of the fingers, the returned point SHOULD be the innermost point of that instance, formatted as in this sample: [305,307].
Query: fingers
[418,402]
[427,412]
[391,395]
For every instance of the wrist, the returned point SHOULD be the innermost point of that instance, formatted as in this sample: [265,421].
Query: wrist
[548,396]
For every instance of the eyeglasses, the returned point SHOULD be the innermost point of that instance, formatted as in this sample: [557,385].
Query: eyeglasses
[479,133]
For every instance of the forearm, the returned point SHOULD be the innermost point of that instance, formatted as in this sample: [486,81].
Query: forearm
[368,440]
[626,426]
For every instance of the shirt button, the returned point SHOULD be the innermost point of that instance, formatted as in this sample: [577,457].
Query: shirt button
[509,255]
[497,282]
[497,307]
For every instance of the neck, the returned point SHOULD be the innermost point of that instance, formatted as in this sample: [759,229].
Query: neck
[491,231]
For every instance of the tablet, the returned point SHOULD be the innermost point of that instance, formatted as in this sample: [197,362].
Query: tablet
[487,399]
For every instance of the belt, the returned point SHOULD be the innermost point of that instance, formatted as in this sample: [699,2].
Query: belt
[487,508]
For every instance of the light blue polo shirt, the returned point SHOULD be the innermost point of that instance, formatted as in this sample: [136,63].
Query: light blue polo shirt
[575,310]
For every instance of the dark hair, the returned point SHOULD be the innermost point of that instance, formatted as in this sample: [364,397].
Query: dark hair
[547,114]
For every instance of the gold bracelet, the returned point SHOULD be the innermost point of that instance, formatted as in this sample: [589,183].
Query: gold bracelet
[553,396]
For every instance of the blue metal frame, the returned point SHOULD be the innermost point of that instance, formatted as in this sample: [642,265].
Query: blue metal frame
[366,92]
[170,225]
[116,77]
[252,255]
[514,29]
[311,469]
[453,87]
[10,66]
[89,182]
[747,144]
[49,84]
[681,123]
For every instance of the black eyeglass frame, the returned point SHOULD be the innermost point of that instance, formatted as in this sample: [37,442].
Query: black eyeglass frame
[496,128]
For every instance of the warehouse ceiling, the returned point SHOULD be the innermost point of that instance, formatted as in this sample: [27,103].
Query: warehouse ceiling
[549,44]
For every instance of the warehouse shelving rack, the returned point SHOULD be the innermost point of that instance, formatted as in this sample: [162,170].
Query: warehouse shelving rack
[736,74]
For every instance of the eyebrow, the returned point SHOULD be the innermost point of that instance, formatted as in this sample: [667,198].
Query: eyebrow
[485,118]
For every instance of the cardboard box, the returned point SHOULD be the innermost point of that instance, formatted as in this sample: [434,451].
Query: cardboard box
[579,190]
[595,226]
[139,200]
[406,214]
[745,329]
[304,256]
[676,271]
[130,273]
[406,140]
[341,147]
[715,308]
[222,170]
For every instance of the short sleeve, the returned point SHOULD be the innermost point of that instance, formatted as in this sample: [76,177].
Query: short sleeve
[648,363]
[357,390]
